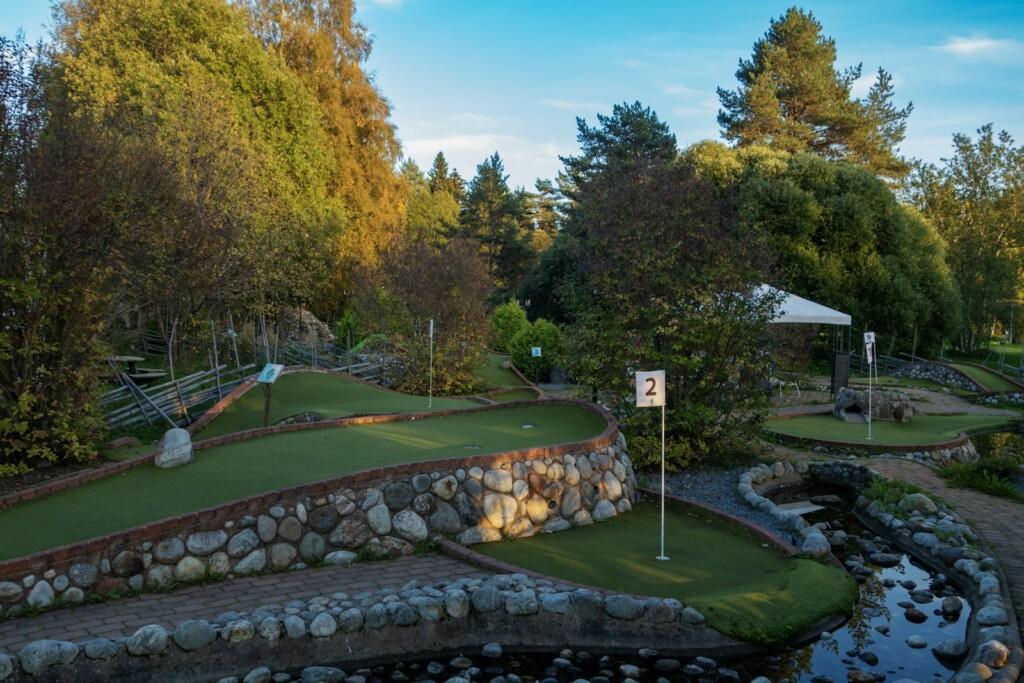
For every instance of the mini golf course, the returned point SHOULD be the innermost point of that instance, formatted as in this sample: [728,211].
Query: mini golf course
[991,380]
[233,471]
[493,374]
[922,429]
[745,590]
[328,395]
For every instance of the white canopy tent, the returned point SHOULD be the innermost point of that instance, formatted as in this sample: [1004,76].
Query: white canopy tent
[796,309]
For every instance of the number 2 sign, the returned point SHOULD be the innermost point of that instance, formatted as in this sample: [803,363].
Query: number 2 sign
[650,389]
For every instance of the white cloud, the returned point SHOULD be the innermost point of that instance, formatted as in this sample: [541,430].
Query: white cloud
[980,46]
[577,106]
[524,160]
[707,105]
[677,89]
[474,119]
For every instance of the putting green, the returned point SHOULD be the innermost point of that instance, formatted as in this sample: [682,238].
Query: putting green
[510,396]
[232,471]
[922,429]
[992,381]
[329,395]
[744,590]
[493,374]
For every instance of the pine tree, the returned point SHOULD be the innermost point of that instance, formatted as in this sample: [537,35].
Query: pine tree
[493,215]
[443,180]
[792,97]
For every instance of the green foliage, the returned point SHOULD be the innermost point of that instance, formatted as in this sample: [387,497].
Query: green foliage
[842,239]
[540,333]
[662,281]
[432,214]
[506,322]
[416,282]
[976,201]
[991,475]
[497,219]
[889,492]
[791,97]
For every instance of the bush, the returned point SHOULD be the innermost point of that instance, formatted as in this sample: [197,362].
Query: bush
[507,321]
[989,475]
[541,333]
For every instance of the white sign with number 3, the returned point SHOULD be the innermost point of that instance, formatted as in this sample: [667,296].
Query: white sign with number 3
[650,389]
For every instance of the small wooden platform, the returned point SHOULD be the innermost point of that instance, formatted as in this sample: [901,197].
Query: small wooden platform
[803,507]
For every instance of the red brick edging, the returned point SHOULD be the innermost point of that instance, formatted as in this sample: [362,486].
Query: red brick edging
[214,517]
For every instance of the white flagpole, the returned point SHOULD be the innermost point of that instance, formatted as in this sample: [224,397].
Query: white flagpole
[430,394]
[662,556]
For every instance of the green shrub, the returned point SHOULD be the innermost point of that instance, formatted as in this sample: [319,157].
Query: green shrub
[889,492]
[989,475]
[507,321]
[541,333]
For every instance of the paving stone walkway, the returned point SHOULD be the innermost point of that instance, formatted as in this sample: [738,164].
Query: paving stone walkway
[123,617]
[998,521]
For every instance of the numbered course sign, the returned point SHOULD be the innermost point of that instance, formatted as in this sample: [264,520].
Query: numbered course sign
[869,346]
[650,389]
[535,351]
[269,373]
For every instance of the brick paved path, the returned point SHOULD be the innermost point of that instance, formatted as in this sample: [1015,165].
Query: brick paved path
[123,617]
[998,521]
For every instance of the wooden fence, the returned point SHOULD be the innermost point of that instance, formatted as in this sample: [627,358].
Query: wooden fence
[131,404]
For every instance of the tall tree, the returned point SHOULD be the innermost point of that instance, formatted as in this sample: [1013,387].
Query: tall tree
[976,200]
[662,280]
[433,215]
[792,97]
[545,207]
[494,216]
[322,43]
[443,180]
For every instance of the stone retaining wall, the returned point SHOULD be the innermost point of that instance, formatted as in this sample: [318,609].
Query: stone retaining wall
[960,449]
[378,512]
[365,628]
[940,373]
[924,528]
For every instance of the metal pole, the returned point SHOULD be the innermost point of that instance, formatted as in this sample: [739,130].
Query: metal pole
[662,556]
[430,394]
[870,364]
[216,360]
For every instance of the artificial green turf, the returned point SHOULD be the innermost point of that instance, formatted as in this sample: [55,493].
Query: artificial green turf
[329,395]
[493,374]
[510,396]
[224,473]
[745,590]
[922,429]
[991,380]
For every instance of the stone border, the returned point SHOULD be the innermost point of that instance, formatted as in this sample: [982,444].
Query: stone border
[993,631]
[960,449]
[941,373]
[382,511]
[521,612]
[110,469]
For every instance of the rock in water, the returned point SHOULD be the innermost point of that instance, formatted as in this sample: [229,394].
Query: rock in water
[175,449]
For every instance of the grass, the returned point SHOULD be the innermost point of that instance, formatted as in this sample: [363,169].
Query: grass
[510,396]
[989,475]
[922,429]
[225,473]
[991,380]
[745,590]
[493,374]
[889,492]
[329,395]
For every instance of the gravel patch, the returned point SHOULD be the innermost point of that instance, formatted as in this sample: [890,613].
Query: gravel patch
[717,489]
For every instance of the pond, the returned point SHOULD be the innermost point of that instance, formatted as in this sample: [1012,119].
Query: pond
[900,603]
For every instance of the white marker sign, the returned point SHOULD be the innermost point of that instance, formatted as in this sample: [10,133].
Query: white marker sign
[535,351]
[270,373]
[869,346]
[650,389]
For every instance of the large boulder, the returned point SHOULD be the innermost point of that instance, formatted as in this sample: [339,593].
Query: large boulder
[885,404]
[175,449]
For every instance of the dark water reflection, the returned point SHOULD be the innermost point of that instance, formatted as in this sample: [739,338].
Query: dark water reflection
[878,626]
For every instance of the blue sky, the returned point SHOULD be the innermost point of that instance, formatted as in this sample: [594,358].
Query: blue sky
[471,77]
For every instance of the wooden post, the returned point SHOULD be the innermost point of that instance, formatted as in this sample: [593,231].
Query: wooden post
[267,388]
